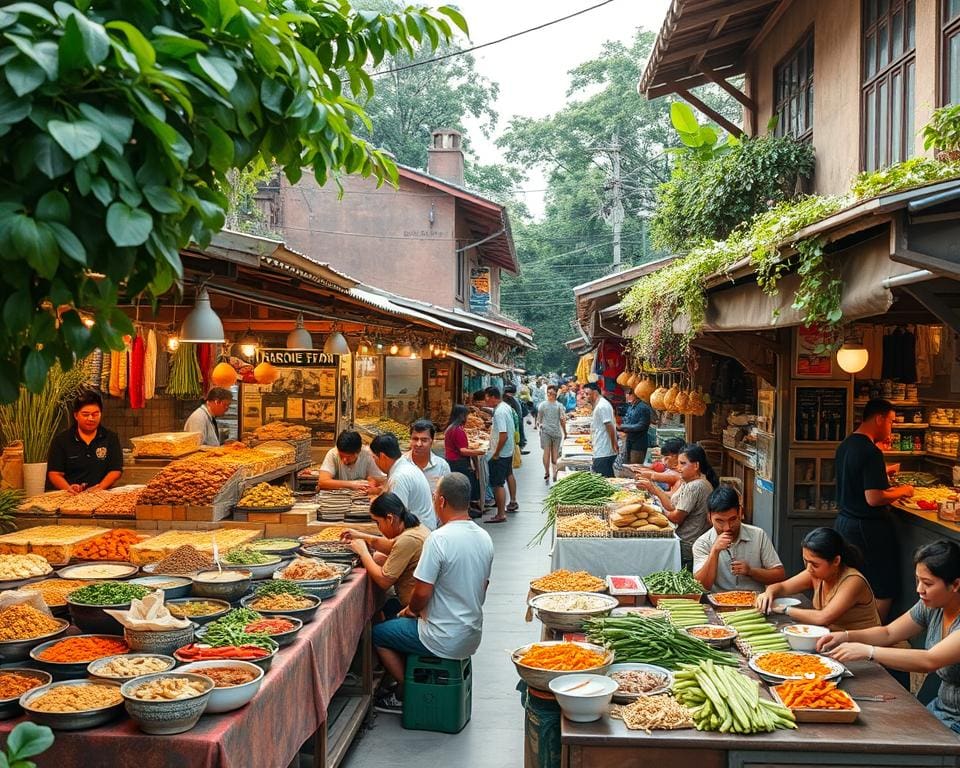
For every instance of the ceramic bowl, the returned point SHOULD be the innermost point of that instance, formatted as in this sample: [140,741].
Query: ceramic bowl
[730,634]
[94,619]
[70,669]
[95,668]
[306,615]
[571,621]
[276,546]
[10,707]
[163,642]
[540,679]
[583,698]
[804,637]
[179,586]
[70,721]
[624,697]
[234,696]
[262,571]
[205,618]
[162,718]
[222,590]
[86,571]
[18,650]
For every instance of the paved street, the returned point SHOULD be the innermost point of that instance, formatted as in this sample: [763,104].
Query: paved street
[494,736]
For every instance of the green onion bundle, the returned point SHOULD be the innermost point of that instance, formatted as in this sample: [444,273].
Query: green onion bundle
[580,489]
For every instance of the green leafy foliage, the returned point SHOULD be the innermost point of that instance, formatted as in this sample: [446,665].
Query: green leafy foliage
[708,196]
[943,130]
[25,740]
[699,141]
[121,124]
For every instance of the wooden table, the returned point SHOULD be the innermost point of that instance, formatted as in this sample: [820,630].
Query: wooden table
[892,734]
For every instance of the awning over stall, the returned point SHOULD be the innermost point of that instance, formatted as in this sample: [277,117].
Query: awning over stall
[481,364]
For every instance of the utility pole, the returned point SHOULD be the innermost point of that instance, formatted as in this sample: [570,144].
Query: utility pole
[615,215]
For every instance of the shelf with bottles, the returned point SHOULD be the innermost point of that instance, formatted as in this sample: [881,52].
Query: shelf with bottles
[938,455]
[813,483]
[820,414]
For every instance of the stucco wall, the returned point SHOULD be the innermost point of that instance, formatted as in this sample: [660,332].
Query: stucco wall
[837,80]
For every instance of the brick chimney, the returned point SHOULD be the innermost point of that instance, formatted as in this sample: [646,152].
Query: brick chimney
[444,157]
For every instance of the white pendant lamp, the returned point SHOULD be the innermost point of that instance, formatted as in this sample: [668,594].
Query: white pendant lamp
[299,337]
[336,344]
[853,357]
[248,344]
[202,325]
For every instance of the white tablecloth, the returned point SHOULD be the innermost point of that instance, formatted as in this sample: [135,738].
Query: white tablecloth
[603,557]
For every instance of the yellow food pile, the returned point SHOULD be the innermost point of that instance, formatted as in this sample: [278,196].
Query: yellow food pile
[569,581]
[581,525]
[266,495]
[641,517]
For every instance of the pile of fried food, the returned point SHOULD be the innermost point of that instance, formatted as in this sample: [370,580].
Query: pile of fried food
[637,513]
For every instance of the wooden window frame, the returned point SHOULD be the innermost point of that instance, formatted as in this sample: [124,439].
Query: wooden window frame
[884,76]
[948,28]
[460,271]
[805,89]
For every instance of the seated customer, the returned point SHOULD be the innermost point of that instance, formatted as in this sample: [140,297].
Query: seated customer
[404,478]
[445,615]
[733,555]
[842,598]
[349,465]
[395,553]
[422,434]
[665,471]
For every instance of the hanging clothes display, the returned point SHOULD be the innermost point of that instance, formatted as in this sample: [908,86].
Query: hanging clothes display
[150,366]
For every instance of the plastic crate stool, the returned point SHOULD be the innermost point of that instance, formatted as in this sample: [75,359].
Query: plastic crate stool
[437,694]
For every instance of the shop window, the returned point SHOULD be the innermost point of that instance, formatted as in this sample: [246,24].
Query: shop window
[793,91]
[950,57]
[889,78]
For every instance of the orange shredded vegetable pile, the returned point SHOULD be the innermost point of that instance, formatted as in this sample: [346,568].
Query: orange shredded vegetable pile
[565,656]
[813,694]
[735,598]
[114,545]
[77,649]
[790,664]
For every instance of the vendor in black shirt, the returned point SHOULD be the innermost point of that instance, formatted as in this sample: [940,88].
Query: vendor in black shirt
[636,426]
[86,456]
[863,493]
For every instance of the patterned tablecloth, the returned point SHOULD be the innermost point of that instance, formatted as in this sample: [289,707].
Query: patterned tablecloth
[290,706]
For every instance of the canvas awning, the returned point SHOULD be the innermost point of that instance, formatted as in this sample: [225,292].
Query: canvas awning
[481,364]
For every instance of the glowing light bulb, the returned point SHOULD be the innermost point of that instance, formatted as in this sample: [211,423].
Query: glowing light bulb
[173,343]
[394,349]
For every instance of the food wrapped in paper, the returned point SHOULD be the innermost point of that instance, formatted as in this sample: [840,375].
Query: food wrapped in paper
[149,615]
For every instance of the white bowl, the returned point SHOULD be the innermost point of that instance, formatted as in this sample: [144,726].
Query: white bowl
[803,637]
[234,697]
[786,602]
[583,698]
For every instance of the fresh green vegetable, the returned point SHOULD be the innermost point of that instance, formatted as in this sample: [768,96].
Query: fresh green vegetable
[246,556]
[185,379]
[218,635]
[722,699]
[108,593]
[238,617]
[280,587]
[10,499]
[756,633]
[580,488]
[672,583]
[652,641]
[684,613]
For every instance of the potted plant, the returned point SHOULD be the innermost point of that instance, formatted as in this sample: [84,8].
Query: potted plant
[943,133]
[34,419]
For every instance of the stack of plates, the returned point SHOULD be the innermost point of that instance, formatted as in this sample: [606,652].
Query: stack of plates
[359,508]
[333,505]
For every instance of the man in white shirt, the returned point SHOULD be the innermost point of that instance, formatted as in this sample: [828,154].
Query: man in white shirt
[445,614]
[422,433]
[204,419]
[733,555]
[603,427]
[349,465]
[500,461]
[404,478]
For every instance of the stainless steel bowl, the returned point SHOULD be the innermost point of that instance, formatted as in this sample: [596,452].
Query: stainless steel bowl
[65,670]
[261,571]
[306,615]
[179,585]
[203,618]
[571,621]
[11,707]
[18,650]
[222,590]
[71,721]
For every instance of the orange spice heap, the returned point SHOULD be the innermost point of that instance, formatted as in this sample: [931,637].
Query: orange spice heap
[790,664]
[563,656]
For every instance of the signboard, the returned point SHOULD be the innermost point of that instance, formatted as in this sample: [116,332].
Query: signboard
[305,392]
[479,289]
[809,363]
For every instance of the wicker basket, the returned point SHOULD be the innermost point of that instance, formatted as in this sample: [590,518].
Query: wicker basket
[632,533]
[568,510]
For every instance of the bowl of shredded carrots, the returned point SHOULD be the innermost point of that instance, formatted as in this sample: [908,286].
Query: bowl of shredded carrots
[713,634]
[816,701]
[794,665]
[539,663]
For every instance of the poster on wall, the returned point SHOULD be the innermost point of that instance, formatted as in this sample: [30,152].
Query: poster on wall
[479,289]
[304,392]
[809,362]
[404,389]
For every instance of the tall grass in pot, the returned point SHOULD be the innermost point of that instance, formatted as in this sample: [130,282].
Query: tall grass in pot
[34,418]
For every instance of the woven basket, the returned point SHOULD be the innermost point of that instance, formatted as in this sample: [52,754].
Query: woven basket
[568,510]
[633,533]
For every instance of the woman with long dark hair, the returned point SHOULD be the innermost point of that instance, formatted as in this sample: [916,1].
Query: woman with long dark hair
[936,615]
[459,454]
[396,553]
[842,597]
[686,506]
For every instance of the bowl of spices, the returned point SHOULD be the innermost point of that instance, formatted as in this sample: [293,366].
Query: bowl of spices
[23,627]
[74,705]
[185,560]
[68,657]
[167,703]
[54,592]
[16,681]
[88,604]
[130,665]
[198,610]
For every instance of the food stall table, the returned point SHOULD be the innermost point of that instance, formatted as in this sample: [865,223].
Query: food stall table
[601,557]
[290,708]
[895,733]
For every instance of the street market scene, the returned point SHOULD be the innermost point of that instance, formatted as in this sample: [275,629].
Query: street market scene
[542,385]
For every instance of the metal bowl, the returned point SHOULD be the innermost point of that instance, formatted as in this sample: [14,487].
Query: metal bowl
[540,678]
[262,571]
[11,707]
[163,642]
[621,697]
[71,721]
[94,667]
[203,618]
[222,590]
[167,717]
[284,639]
[719,642]
[306,615]
[337,553]
[93,619]
[322,588]
[571,621]
[65,670]
[18,650]
[179,585]
[70,572]
[281,545]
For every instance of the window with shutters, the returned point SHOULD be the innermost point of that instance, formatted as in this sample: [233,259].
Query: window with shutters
[889,81]
[793,91]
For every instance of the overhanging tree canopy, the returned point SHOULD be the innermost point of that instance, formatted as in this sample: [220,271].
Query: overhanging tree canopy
[120,121]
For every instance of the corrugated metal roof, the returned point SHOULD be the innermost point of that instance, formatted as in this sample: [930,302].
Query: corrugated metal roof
[385,304]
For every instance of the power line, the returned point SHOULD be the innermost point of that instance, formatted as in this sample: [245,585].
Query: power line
[492,42]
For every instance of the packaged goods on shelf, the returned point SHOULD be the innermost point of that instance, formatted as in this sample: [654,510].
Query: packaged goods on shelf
[55,543]
[158,547]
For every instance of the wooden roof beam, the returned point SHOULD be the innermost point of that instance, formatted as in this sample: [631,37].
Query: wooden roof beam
[701,18]
[710,112]
[719,42]
[739,95]
[666,87]
[698,59]
[775,15]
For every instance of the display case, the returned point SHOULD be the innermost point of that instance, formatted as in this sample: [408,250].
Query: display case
[814,482]
[821,413]
[441,390]
[368,387]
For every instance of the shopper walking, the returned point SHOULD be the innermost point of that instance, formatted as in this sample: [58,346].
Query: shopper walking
[500,463]
[460,455]
[604,431]
[509,397]
[552,423]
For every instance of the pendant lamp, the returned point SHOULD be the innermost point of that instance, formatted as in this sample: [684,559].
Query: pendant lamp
[299,337]
[248,344]
[336,344]
[202,325]
[853,357]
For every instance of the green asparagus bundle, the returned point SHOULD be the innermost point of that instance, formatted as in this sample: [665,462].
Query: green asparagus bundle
[722,699]
[684,613]
[755,632]
[672,583]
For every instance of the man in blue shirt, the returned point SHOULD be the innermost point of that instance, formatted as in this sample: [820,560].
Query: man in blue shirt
[635,425]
